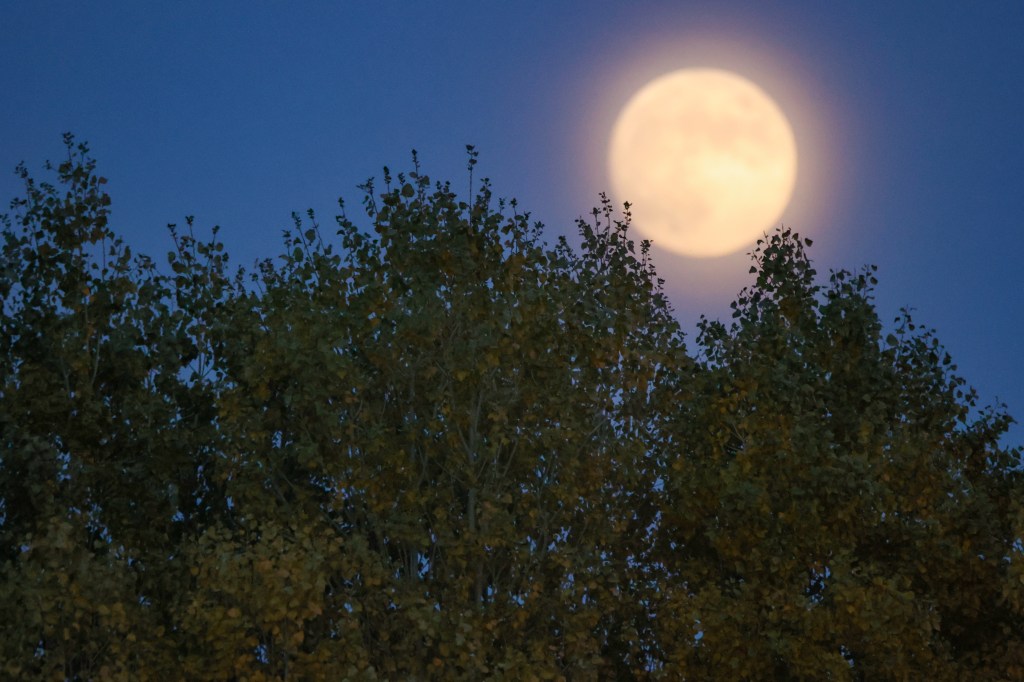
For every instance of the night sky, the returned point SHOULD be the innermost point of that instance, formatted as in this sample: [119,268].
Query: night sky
[908,121]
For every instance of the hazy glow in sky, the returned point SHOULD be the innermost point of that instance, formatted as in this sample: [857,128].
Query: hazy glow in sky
[907,118]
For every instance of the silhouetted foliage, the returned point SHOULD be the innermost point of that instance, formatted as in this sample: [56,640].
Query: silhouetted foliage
[444,450]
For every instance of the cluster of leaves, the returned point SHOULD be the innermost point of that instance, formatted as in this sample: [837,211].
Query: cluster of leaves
[445,450]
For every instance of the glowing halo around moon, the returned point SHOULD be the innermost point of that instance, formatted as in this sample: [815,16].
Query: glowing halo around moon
[706,159]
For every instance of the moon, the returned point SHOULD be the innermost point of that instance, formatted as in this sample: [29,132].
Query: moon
[706,159]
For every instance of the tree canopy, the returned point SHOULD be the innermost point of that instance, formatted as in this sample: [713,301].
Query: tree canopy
[442,449]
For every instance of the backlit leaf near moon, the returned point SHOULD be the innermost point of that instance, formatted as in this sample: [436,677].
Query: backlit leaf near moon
[707,160]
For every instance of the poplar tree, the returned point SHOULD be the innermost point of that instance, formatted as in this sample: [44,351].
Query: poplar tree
[439,448]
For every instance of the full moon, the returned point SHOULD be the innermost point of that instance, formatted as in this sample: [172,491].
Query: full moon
[706,159]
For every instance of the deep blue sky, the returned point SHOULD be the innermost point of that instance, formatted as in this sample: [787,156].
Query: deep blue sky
[907,118]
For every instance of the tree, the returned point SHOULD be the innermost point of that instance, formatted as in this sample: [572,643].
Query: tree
[838,510]
[444,450]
